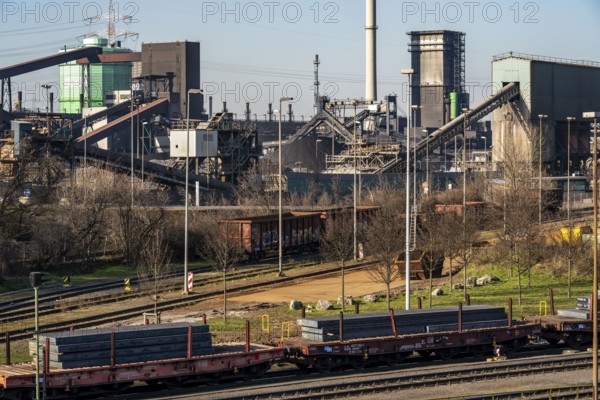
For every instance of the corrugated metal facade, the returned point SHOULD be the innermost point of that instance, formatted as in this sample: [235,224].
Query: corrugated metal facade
[103,78]
[558,89]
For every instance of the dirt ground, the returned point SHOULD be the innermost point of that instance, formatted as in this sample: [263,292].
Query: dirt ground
[357,284]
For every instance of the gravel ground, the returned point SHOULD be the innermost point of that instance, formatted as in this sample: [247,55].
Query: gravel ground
[545,381]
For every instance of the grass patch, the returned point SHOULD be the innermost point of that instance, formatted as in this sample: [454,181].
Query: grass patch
[495,293]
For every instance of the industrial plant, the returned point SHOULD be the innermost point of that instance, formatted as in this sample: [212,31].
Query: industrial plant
[144,113]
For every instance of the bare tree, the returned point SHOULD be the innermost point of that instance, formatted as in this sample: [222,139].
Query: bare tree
[221,246]
[385,239]
[572,250]
[450,240]
[520,236]
[468,236]
[137,218]
[258,186]
[337,243]
[154,267]
[430,241]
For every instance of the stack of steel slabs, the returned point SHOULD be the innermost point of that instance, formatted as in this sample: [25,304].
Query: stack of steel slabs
[322,329]
[574,313]
[92,347]
[583,303]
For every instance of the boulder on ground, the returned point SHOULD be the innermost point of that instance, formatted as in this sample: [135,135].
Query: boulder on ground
[437,292]
[349,300]
[484,280]
[458,286]
[472,281]
[323,305]
[371,298]
[295,305]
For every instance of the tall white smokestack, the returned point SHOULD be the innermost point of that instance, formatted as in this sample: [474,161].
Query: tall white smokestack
[371,53]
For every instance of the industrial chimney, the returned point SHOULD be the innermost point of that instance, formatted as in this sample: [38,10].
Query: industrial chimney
[371,53]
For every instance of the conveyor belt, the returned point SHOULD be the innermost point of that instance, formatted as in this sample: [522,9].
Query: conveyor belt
[91,53]
[454,127]
[160,173]
[159,106]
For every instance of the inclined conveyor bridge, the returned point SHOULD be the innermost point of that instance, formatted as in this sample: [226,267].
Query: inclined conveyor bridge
[455,127]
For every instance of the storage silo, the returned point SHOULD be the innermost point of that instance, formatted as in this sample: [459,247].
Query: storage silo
[103,78]
[438,59]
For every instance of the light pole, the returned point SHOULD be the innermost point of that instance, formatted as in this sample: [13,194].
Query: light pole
[36,280]
[317,159]
[595,116]
[354,224]
[445,158]
[280,230]
[485,154]
[187,183]
[84,133]
[47,87]
[541,116]
[464,190]
[144,127]
[131,104]
[414,108]
[408,72]
[569,119]
[426,132]
[207,162]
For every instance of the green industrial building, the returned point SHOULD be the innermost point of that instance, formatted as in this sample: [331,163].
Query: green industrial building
[103,78]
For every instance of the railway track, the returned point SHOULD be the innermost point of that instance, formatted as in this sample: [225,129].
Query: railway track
[165,305]
[389,382]
[58,302]
[424,380]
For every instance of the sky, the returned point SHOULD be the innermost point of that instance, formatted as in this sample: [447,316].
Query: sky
[259,51]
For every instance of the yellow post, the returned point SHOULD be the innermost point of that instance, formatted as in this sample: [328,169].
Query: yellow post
[283,326]
[265,323]
[545,308]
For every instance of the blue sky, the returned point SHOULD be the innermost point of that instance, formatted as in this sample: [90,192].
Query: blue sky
[258,51]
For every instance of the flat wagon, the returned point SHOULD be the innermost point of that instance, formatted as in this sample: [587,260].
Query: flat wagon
[571,326]
[446,341]
[241,360]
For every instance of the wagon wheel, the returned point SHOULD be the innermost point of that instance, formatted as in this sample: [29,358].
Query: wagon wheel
[302,366]
[515,344]
[324,364]
[552,341]
[424,353]
[400,357]
[480,351]
[578,340]
[173,383]
[153,383]
[447,353]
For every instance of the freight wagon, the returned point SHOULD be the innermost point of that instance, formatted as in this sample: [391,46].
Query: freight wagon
[258,236]
[345,347]
[120,366]
[571,326]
